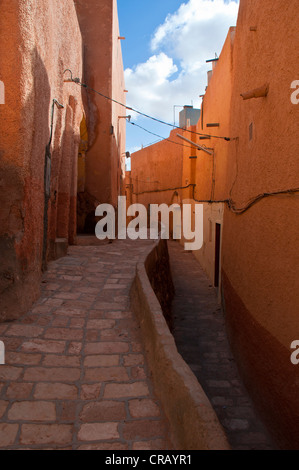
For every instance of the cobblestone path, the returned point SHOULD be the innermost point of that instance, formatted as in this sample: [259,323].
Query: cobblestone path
[75,375]
[200,335]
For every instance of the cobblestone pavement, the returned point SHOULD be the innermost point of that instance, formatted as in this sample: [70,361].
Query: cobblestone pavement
[200,335]
[75,375]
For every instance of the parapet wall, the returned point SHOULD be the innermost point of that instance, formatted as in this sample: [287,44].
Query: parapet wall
[193,422]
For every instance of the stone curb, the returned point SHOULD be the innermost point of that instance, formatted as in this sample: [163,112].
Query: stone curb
[193,422]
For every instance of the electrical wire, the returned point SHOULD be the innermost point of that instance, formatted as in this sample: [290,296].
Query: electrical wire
[151,143]
[84,85]
[256,199]
[240,210]
[142,181]
[163,190]
[157,135]
[230,203]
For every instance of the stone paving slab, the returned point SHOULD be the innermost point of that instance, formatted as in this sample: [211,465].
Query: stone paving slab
[200,336]
[75,375]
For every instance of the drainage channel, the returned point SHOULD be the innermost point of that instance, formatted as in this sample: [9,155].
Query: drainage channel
[198,328]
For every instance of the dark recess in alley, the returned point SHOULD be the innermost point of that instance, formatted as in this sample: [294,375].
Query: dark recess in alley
[200,335]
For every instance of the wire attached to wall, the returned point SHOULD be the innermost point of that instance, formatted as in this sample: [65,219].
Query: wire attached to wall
[230,203]
[256,199]
[84,85]
[157,135]
[240,210]
[163,190]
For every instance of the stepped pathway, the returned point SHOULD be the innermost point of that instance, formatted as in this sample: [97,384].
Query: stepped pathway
[75,375]
[199,332]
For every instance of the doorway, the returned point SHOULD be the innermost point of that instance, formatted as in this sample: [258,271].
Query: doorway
[217,254]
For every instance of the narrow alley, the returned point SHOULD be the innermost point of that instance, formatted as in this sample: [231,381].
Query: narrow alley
[200,335]
[130,119]
[75,374]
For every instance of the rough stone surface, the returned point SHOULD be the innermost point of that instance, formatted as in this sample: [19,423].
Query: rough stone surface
[200,335]
[193,421]
[76,375]
[38,42]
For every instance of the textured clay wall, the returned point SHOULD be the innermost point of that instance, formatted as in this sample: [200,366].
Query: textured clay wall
[190,157]
[158,166]
[212,215]
[119,123]
[208,172]
[260,247]
[37,44]
[103,71]
[211,182]
[95,19]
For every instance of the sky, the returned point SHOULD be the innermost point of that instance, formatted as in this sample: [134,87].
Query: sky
[165,51]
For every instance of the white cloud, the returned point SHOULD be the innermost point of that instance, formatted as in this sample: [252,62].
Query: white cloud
[150,83]
[161,65]
[176,73]
[198,24]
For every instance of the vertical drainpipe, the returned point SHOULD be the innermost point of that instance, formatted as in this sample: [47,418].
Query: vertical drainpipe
[193,166]
[47,184]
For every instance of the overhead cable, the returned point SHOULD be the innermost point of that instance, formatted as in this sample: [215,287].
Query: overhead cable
[230,203]
[157,135]
[84,85]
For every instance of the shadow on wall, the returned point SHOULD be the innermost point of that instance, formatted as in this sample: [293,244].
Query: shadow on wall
[67,177]
[159,274]
[22,151]
[86,219]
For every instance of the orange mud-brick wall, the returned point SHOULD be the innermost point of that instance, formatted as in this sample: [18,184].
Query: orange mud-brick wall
[39,40]
[208,170]
[260,246]
[155,176]
[106,123]
[251,241]
[156,172]
[249,188]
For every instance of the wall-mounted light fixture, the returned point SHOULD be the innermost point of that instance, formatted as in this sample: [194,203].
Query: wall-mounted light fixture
[125,117]
[59,105]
